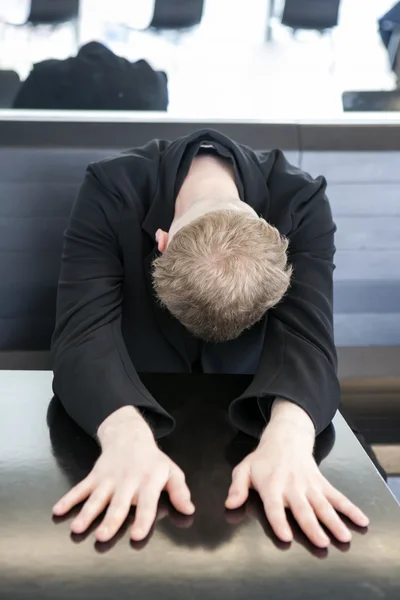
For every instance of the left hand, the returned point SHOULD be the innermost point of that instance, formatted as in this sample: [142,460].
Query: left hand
[283,471]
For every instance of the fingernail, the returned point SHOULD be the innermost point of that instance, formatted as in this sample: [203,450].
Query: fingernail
[325,540]
[138,534]
[76,526]
[103,532]
[364,521]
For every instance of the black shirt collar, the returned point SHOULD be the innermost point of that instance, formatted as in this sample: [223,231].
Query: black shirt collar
[175,163]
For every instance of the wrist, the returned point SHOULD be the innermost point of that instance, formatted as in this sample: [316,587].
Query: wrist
[292,415]
[124,423]
[289,425]
[283,435]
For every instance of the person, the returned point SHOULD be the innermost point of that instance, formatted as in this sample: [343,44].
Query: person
[94,79]
[389,30]
[200,255]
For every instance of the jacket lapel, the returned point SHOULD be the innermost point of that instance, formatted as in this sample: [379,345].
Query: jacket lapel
[254,186]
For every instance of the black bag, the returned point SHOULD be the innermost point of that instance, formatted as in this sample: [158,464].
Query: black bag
[95,79]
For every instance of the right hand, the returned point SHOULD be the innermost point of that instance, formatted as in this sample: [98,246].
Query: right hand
[131,470]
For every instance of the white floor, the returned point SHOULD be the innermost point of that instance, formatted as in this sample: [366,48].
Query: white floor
[225,68]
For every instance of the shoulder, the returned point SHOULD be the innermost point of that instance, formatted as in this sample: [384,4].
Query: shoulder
[142,156]
[134,172]
[287,180]
[296,199]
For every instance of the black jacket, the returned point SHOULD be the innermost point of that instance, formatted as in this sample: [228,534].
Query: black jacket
[94,79]
[109,326]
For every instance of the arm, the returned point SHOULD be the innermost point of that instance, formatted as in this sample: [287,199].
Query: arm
[299,361]
[305,315]
[98,384]
[301,397]
[93,376]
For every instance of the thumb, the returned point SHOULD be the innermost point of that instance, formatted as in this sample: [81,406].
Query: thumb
[239,490]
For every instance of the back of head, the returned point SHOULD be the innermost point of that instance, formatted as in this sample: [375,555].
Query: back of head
[221,273]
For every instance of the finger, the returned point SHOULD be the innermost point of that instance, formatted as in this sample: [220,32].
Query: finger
[305,517]
[181,521]
[92,508]
[347,508]
[77,494]
[162,512]
[239,490]
[234,517]
[275,512]
[146,511]
[329,517]
[179,493]
[116,514]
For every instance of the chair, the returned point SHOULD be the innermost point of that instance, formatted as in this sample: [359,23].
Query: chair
[316,15]
[53,13]
[48,12]
[9,86]
[172,20]
[176,14]
[172,17]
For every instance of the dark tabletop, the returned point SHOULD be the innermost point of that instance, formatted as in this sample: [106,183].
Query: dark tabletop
[219,554]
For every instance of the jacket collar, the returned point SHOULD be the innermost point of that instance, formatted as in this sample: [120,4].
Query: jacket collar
[161,212]
[252,186]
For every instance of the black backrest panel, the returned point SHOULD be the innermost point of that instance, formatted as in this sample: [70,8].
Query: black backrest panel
[42,165]
[37,189]
[48,11]
[311,14]
[363,189]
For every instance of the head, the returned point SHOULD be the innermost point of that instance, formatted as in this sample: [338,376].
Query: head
[222,267]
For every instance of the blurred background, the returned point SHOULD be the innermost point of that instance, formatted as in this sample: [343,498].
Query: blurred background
[258,59]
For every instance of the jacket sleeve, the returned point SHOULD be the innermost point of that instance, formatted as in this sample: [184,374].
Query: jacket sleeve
[298,361]
[93,375]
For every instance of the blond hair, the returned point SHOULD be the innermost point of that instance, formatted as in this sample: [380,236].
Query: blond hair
[221,273]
